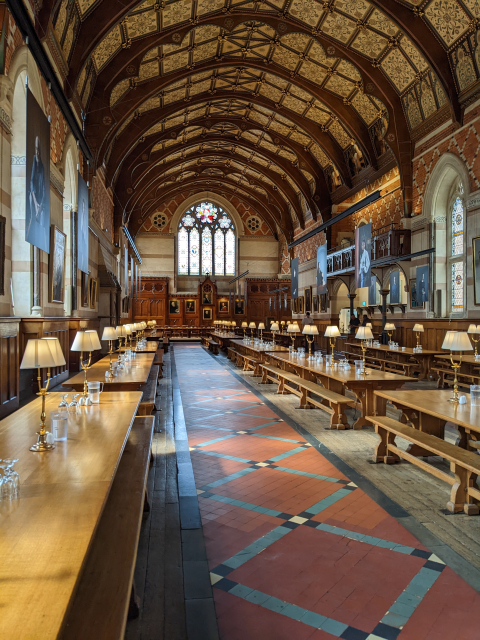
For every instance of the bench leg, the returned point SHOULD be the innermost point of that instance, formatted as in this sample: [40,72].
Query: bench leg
[338,420]
[458,495]
[281,387]
[133,605]
[381,450]
[256,371]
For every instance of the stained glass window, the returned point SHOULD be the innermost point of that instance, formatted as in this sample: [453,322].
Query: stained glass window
[206,241]
[457,287]
[458,216]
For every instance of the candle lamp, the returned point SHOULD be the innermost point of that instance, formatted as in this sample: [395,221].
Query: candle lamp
[474,330]
[86,341]
[261,327]
[456,341]
[252,326]
[364,334]
[332,332]
[389,328]
[310,330]
[110,334]
[293,329]
[41,354]
[121,333]
[128,340]
[244,327]
[274,328]
[418,328]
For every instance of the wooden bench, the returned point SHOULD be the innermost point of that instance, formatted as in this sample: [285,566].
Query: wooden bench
[249,363]
[445,376]
[147,405]
[465,465]
[406,368]
[332,403]
[104,595]
[231,354]
[158,361]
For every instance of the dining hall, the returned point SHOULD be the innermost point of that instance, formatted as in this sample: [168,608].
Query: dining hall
[239,319]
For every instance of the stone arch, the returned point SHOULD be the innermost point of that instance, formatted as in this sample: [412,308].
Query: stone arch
[70,195]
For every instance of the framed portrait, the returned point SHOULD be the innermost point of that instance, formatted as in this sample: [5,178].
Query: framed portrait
[422,285]
[3,224]
[315,304]
[85,293]
[363,242]
[173,307]
[207,297]
[476,270]
[56,264]
[308,299]
[239,307]
[223,306]
[323,302]
[190,306]
[207,314]
[322,269]
[294,278]
[395,287]
[301,304]
[414,303]
[82,225]
[93,292]
[37,191]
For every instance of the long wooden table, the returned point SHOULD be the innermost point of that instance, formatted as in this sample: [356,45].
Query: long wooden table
[151,345]
[469,365]
[340,380]
[47,532]
[128,379]
[383,352]
[256,351]
[430,410]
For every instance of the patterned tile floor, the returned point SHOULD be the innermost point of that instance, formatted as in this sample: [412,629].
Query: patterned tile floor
[295,549]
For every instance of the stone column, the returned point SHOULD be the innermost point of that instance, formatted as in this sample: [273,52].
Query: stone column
[6,97]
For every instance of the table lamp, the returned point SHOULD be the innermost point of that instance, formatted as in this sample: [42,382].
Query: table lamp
[369,325]
[86,341]
[128,339]
[312,331]
[252,326]
[40,354]
[110,334]
[282,325]
[233,324]
[473,330]
[418,328]
[293,329]
[244,326]
[389,328]
[274,328]
[261,327]
[332,332]
[121,333]
[456,341]
[364,334]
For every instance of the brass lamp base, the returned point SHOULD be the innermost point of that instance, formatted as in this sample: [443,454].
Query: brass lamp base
[42,444]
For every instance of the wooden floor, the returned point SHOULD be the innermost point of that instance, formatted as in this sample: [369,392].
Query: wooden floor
[419,493]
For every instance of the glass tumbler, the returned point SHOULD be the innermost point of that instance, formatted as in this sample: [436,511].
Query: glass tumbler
[59,425]
[475,395]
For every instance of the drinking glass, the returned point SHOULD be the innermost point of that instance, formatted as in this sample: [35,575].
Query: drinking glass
[11,480]
[475,395]
[358,366]
[329,360]
[95,388]
[58,425]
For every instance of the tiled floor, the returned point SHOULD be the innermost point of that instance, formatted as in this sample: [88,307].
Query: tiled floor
[295,549]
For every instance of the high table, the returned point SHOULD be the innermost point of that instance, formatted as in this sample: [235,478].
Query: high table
[46,533]
[129,379]
[406,356]
[339,380]
[429,410]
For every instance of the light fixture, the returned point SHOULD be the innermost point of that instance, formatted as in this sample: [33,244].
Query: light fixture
[389,328]
[274,328]
[41,354]
[121,333]
[418,328]
[364,334]
[332,332]
[128,330]
[244,326]
[252,327]
[456,341]
[110,334]
[473,330]
[312,330]
[369,325]
[293,329]
[86,341]
[261,327]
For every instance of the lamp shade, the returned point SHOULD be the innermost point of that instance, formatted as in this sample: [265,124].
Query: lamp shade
[447,341]
[364,333]
[306,329]
[282,322]
[389,326]
[314,330]
[369,325]
[84,341]
[128,329]
[261,325]
[293,328]
[109,333]
[121,333]
[244,325]
[233,323]
[94,338]
[56,350]
[419,328]
[473,329]
[332,332]
[274,326]
[37,354]
[461,342]
[252,325]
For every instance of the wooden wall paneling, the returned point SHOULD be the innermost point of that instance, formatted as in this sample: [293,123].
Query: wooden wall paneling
[9,366]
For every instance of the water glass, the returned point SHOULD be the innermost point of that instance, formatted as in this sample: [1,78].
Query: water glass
[475,395]
[58,425]
[329,360]
[11,480]
[95,388]
[358,366]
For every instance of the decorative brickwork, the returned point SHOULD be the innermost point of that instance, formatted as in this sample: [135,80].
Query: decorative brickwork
[102,206]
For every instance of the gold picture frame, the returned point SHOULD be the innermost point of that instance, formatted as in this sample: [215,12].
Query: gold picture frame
[85,290]
[223,306]
[190,306]
[174,307]
[301,304]
[56,264]
[93,292]
[207,314]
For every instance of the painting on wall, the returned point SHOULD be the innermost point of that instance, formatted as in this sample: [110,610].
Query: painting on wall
[324,303]
[207,314]
[207,297]
[294,278]
[395,287]
[223,306]
[82,225]
[56,264]
[239,307]
[3,223]
[301,304]
[372,291]
[414,304]
[37,210]
[190,306]
[173,307]
[93,292]
[422,284]
[85,290]
[308,299]
[315,304]
[322,269]
[476,270]
[363,244]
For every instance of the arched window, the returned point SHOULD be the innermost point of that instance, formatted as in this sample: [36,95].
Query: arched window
[456,255]
[206,242]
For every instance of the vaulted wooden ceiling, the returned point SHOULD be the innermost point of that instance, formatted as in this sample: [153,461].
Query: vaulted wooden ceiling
[283,101]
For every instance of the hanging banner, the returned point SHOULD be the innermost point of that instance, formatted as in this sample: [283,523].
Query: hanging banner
[245,295]
[294,276]
[139,283]
[372,291]
[322,270]
[82,225]
[286,300]
[270,304]
[422,274]
[131,277]
[125,275]
[395,287]
[363,252]
[37,210]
